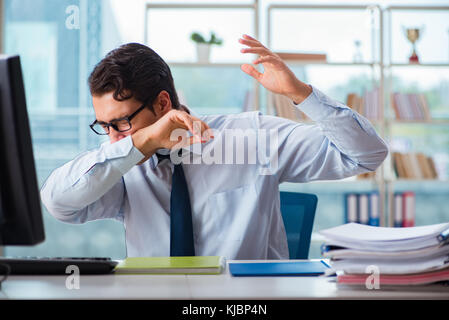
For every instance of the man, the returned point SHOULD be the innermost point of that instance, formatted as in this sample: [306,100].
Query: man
[234,208]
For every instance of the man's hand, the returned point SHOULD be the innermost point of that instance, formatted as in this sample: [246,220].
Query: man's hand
[171,130]
[277,77]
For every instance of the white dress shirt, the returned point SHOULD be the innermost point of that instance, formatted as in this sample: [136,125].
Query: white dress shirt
[235,207]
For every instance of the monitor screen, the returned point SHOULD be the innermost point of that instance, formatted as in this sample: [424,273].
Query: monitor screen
[20,209]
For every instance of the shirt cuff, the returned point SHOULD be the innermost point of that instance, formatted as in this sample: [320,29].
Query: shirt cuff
[317,106]
[122,154]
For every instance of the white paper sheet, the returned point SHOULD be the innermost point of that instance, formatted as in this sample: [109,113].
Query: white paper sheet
[359,232]
[386,267]
[428,252]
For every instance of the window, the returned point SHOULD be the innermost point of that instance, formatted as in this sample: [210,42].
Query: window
[56,60]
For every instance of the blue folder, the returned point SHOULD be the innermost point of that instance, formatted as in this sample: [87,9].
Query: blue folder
[294,268]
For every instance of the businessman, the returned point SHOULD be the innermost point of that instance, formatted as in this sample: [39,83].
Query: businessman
[171,190]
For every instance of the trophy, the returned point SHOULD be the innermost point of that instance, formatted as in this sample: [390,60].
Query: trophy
[413,36]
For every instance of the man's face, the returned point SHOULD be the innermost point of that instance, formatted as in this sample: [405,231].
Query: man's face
[108,109]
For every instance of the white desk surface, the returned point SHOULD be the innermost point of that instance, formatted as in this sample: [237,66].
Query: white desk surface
[205,287]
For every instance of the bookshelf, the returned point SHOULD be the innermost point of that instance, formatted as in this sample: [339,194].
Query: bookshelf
[426,127]
[386,181]
[380,66]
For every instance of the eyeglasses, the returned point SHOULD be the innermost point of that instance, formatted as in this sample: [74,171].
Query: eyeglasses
[120,125]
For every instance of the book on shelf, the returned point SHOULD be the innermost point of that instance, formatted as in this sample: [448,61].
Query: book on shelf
[414,166]
[413,255]
[432,168]
[397,210]
[355,102]
[408,209]
[404,209]
[374,209]
[284,108]
[366,105]
[302,56]
[171,265]
[350,207]
[410,106]
[366,175]
[363,208]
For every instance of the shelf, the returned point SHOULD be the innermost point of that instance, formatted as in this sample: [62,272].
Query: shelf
[207,64]
[419,186]
[344,181]
[201,6]
[419,65]
[426,122]
[402,180]
[330,187]
[289,62]
[337,64]
[418,8]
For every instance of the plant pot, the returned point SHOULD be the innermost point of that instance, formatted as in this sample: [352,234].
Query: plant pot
[203,52]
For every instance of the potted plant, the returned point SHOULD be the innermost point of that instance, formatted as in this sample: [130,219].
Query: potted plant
[203,46]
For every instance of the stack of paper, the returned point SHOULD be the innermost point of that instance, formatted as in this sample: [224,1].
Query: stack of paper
[414,255]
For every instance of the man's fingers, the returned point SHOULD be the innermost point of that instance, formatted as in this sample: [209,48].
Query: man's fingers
[208,134]
[249,69]
[251,43]
[265,59]
[257,50]
[194,139]
[204,125]
[202,129]
[195,126]
[249,37]
[184,120]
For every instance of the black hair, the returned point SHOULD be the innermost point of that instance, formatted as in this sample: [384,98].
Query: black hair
[133,70]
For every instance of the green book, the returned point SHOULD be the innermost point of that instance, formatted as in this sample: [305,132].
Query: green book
[171,265]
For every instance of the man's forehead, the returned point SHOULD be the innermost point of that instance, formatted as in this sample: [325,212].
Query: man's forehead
[113,116]
[107,108]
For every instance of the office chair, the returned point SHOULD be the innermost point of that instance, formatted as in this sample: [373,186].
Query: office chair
[298,212]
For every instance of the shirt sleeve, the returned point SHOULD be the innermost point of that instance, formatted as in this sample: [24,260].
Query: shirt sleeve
[91,186]
[340,143]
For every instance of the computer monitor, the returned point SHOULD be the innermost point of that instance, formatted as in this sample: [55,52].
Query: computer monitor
[21,220]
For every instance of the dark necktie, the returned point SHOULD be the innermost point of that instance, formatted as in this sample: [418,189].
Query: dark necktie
[181,228]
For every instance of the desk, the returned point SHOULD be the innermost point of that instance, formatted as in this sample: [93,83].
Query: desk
[205,287]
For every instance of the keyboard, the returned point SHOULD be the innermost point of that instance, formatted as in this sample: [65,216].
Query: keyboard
[56,265]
